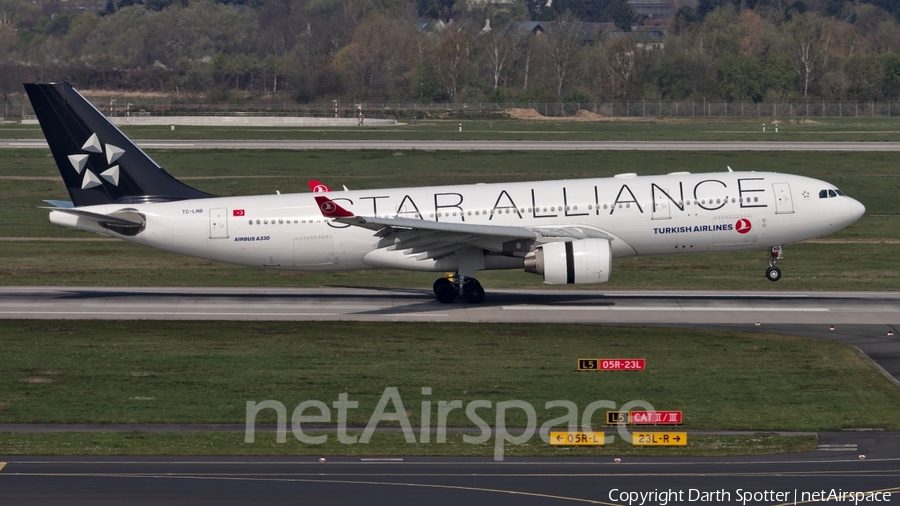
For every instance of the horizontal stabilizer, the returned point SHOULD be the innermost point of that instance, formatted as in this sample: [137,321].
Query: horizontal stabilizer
[124,218]
[60,203]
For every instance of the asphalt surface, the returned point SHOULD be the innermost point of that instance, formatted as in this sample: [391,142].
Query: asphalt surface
[386,304]
[452,481]
[496,145]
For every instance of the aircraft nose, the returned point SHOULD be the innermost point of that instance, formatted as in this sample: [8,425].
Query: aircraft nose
[857,210]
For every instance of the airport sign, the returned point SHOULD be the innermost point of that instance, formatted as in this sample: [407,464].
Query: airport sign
[587,364]
[576,438]
[616,417]
[655,417]
[659,438]
[622,364]
[611,364]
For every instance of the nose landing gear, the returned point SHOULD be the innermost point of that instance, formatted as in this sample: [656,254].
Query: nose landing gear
[447,290]
[773,273]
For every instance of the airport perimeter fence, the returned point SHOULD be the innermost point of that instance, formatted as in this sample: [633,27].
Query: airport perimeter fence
[660,109]
[18,109]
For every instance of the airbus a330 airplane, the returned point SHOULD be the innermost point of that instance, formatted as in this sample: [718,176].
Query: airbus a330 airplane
[566,231]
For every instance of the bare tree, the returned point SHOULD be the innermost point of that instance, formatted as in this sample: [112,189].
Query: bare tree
[622,65]
[563,50]
[454,52]
[500,50]
[529,48]
[803,34]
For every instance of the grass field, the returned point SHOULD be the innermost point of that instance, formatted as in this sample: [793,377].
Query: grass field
[381,445]
[205,372]
[671,129]
[866,262]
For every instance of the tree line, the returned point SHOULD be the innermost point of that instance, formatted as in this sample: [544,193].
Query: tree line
[459,50]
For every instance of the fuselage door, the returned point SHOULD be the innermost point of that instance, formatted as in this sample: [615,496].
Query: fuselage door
[661,206]
[784,204]
[218,223]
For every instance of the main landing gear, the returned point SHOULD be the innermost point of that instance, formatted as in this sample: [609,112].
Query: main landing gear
[773,273]
[447,290]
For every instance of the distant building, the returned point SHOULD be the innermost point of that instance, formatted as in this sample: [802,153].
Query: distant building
[591,33]
[654,9]
[660,9]
[650,36]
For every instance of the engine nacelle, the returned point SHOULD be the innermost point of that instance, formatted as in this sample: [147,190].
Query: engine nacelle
[572,262]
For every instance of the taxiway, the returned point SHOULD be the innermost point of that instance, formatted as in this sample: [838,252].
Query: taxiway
[494,145]
[438,481]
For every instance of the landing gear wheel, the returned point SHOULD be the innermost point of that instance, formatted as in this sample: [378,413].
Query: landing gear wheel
[446,293]
[439,283]
[773,273]
[473,293]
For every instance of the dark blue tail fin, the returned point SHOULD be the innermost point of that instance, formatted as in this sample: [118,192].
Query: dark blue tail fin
[99,164]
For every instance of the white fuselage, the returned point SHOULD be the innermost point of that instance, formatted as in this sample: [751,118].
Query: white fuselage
[644,215]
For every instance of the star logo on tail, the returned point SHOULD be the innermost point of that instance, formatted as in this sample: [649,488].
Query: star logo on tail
[79,162]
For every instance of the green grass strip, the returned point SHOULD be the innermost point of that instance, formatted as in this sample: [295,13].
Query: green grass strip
[205,372]
[387,445]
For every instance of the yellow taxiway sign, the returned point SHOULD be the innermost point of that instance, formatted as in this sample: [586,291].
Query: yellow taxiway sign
[576,438]
[659,438]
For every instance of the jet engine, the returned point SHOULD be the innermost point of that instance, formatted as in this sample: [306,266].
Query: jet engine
[572,262]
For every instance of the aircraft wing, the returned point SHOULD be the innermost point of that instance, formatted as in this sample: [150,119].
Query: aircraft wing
[432,239]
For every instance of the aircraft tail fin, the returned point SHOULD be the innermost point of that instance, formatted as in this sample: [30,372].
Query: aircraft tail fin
[99,163]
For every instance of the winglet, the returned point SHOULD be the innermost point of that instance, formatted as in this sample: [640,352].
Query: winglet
[331,210]
[318,186]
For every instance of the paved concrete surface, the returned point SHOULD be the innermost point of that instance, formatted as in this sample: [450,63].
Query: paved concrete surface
[385,304]
[496,145]
[244,121]
[451,481]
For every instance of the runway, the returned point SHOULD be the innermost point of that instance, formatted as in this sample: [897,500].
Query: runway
[493,145]
[386,304]
[451,481]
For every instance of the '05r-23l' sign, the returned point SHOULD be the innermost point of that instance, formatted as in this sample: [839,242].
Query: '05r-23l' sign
[611,364]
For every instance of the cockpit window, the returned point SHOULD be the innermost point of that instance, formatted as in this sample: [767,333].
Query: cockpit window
[839,192]
[827,194]
[831,194]
[823,194]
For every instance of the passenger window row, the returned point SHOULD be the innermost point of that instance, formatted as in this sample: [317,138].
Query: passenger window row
[281,221]
[522,210]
